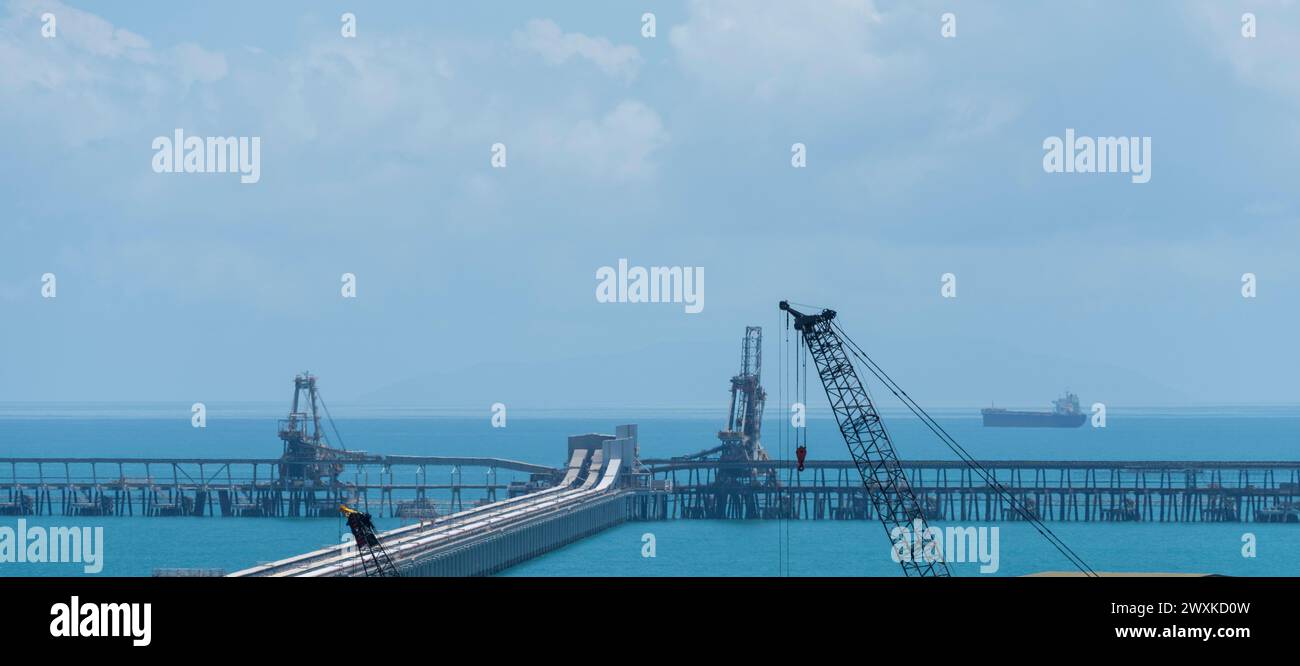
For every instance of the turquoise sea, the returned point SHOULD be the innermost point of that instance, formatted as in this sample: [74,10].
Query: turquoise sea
[135,546]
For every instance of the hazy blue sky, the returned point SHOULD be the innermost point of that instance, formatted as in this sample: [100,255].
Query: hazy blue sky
[477,285]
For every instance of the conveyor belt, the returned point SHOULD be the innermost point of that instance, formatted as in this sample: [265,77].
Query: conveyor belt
[412,542]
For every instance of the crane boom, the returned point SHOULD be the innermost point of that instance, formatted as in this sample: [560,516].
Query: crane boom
[873,452]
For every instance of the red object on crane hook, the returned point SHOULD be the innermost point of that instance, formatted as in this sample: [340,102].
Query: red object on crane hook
[801,453]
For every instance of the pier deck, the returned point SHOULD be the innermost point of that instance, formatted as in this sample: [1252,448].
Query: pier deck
[250,487]
[1065,490]
[428,486]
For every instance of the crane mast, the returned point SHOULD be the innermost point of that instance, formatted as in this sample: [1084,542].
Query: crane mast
[873,452]
[306,452]
[308,458]
[740,442]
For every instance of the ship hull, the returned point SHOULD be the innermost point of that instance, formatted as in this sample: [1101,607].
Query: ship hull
[1009,419]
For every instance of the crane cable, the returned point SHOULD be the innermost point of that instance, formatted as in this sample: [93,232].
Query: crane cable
[337,436]
[803,395]
[965,456]
[783,528]
[780,445]
[330,418]
[790,391]
[799,386]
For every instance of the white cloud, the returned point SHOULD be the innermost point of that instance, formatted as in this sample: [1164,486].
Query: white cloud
[619,145]
[83,30]
[1266,61]
[388,114]
[392,94]
[72,89]
[557,47]
[193,63]
[770,48]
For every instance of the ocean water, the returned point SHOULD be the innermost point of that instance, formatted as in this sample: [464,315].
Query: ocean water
[861,548]
[135,546]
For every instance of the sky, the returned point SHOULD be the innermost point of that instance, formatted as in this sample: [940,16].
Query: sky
[474,284]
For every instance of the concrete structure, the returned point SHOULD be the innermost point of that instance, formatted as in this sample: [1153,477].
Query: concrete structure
[595,493]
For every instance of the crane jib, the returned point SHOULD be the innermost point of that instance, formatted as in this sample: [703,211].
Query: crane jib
[873,452]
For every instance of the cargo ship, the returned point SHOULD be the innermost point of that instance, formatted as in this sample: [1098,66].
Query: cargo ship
[1065,414]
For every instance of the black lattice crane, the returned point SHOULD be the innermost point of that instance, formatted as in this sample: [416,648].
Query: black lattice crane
[374,559]
[873,452]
